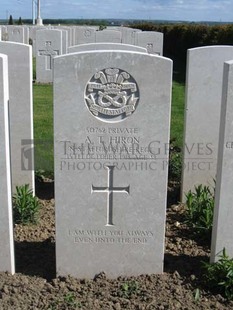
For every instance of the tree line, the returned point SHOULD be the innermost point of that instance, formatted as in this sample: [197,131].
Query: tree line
[180,37]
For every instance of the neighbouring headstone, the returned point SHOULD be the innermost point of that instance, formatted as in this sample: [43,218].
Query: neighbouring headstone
[21,112]
[202,114]
[48,45]
[69,40]
[83,35]
[4,33]
[105,46]
[222,233]
[15,34]
[111,36]
[26,35]
[111,136]
[32,36]
[151,40]
[6,223]
[64,41]
[0,34]
[129,35]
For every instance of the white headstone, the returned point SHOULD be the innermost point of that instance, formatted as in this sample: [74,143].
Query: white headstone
[32,36]
[64,41]
[105,46]
[128,35]
[15,34]
[4,33]
[202,114]
[151,40]
[48,45]
[6,224]
[69,34]
[26,35]
[111,131]
[21,112]
[84,35]
[111,36]
[222,233]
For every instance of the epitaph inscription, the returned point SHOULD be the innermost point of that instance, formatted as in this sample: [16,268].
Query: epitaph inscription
[112,95]
[114,236]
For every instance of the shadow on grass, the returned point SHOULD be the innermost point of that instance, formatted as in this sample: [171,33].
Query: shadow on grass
[36,259]
[179,69]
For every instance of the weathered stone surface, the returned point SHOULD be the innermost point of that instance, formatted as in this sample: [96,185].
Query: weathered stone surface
[15,34]
[151,40]
[111,36]
[6,226]
[223,214]
[84,35]
[129,35]
[111,131]
[202,114]
[21,112]
[105,46]
[48,45]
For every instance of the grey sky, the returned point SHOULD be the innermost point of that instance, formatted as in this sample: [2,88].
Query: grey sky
[190,10]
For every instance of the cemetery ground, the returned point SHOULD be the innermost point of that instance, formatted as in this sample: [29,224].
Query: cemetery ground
[35,286]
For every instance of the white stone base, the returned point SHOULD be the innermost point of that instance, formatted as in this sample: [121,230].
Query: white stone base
[39,22]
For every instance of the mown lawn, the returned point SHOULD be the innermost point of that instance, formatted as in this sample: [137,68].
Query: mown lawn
[177,113]
[43,126]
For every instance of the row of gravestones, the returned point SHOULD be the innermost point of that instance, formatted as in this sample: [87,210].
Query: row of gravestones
[111,137]
[16,131]
[153,41]
[208,135]
[50,42]
[81,35]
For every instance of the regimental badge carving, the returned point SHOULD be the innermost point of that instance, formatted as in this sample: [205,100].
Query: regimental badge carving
[5,37]
[16,31]
[87,33]
[112,95]
[149,47]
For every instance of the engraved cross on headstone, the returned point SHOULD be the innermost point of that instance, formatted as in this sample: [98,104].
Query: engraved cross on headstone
[49,53]
[110,189]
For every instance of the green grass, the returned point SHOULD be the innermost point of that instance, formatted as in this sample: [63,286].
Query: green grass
[178,99]
[43,118]
[43,126]
[34,68]
[177,113]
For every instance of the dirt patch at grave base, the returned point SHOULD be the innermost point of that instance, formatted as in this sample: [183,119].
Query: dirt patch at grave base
[35,286]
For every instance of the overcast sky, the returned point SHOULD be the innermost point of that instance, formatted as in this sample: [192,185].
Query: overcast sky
[190,10]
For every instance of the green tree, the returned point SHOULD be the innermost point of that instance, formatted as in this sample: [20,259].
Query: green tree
[10,22]
[20,22]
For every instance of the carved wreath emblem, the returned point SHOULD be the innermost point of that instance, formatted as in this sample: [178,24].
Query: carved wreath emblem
[111,95]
